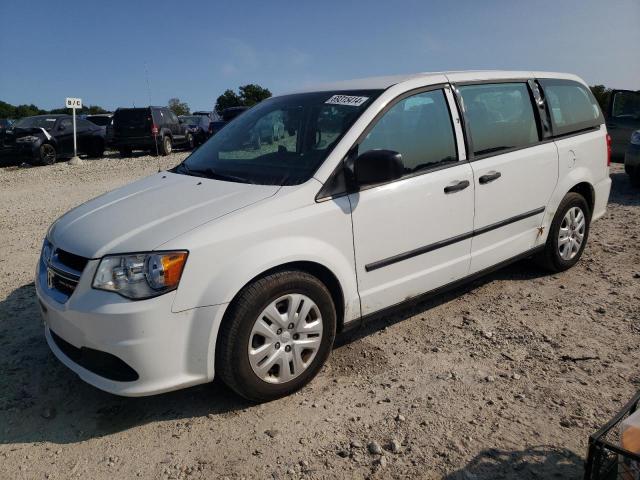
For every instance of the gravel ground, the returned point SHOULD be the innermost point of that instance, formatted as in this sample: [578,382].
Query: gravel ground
[504,378]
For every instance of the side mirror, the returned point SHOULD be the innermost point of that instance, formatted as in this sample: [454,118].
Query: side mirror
[378,166]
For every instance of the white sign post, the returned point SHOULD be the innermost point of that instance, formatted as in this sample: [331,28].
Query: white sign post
[74,103]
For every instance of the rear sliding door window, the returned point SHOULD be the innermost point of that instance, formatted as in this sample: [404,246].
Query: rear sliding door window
[573,107]
[419,128]
[500,116]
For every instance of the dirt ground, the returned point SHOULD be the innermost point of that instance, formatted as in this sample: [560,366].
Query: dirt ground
[504,378]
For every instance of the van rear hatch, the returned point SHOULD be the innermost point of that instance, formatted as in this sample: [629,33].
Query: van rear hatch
[132,122]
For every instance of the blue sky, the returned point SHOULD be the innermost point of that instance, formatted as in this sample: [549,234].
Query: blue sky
[99,50]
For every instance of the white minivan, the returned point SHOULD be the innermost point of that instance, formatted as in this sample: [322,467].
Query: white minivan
[248,258]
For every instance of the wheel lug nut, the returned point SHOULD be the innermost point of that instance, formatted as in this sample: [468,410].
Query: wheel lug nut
[279,331]
[291,326]
[277,345]
[296,336]
[287,348]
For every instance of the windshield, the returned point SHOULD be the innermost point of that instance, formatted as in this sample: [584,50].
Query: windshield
[281,141]
[36,122]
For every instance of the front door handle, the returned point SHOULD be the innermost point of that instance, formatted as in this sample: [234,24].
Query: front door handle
[489,177]
[457,186]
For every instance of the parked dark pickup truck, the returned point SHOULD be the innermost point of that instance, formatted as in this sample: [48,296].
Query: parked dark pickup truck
[623,118]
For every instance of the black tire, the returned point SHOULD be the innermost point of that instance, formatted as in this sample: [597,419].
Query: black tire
[47,154]
[628,169]
[550,258]
[166,147]
[635,176]
[191,143]
[97,149]
[125,152]
[232,357]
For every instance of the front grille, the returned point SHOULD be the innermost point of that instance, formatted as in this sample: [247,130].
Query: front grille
[63,270]
[101,363]
[64,283]
[76,262]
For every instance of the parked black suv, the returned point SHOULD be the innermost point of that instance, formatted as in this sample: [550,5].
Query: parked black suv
[156,129]
[47,138]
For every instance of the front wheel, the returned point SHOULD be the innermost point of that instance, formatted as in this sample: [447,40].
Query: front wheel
[47,154]
[276,336]
[568,234]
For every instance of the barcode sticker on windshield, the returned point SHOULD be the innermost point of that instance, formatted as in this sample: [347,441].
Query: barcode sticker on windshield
[347,100]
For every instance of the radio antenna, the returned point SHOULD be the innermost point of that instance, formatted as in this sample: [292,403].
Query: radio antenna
[155,135]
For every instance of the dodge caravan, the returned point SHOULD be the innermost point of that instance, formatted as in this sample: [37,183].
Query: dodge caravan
[246,260]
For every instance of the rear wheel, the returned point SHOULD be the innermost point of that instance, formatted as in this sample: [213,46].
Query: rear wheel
[276,336]
[47,154]
[568,234]
[97,149]
[167,146]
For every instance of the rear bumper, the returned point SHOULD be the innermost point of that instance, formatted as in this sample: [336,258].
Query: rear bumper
[602,190]
[135,143]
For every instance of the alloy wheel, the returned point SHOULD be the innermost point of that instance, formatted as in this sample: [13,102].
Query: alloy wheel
[571,234]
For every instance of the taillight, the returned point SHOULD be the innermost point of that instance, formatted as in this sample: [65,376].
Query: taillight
[154,129]
[608,150]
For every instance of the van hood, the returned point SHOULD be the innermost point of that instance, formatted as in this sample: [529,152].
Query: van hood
[145,214]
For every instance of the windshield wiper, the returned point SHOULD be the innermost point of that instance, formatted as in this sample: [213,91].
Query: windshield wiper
[212,174]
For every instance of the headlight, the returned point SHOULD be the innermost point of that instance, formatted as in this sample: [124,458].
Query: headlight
[27,139]
[141,275]
[635,138]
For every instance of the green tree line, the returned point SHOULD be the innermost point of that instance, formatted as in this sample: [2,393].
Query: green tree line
[18,111]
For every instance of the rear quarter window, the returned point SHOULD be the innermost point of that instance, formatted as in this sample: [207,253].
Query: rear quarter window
[572,106]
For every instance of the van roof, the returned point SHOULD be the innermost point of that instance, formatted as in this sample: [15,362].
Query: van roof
[384,82]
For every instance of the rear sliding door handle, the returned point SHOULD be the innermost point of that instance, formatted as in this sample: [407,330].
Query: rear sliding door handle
[457,186]
[489,177]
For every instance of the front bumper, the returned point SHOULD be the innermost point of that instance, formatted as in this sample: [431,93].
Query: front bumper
[23,151]
[166,350]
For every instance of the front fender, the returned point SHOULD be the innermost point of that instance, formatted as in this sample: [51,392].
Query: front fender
[227,254]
